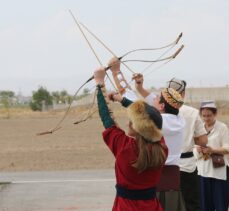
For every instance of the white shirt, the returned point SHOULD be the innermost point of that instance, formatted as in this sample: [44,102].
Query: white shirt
[173,132]
[193,128]
[218,138]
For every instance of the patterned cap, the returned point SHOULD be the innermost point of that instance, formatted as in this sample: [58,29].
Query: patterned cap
[177,84]
[172,97]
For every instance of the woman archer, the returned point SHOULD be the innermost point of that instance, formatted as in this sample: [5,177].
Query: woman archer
[140,155]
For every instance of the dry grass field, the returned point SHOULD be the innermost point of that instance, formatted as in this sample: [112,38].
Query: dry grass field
[70,148]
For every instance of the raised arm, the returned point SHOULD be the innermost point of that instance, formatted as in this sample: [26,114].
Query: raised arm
[139,85]
[105,113]
[113,136]
[148,97]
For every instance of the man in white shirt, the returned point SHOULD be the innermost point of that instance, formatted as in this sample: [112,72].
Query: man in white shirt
[195,134]
[173,130]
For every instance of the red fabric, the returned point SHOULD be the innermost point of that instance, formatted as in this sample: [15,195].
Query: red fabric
[125,151]
[170,179]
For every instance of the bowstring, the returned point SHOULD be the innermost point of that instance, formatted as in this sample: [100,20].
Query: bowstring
[153,63]
[159,67]
[90,112]
[105,46]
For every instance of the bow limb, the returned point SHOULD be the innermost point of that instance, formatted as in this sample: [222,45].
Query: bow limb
[178,51]
[57,126]
[132,51]
[153,49]
[121,87]
[179,37]
[158,60]
[167,60]
[105,46]
[90,113]
[89,44]
[119,78]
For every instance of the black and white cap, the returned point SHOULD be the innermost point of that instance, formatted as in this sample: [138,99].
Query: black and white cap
[176,84]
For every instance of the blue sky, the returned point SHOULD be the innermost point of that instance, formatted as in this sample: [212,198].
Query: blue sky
[40,44]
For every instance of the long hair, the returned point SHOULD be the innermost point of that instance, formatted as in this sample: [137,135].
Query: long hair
[151,155]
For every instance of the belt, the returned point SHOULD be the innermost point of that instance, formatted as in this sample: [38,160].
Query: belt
[142,194]
[186,155]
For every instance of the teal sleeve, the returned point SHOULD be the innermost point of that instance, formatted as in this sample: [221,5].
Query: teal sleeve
[104,112]
[126,102]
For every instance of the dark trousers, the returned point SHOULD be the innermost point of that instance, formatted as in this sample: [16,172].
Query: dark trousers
[190,188]
[228,187]
[171,200]
[214,194]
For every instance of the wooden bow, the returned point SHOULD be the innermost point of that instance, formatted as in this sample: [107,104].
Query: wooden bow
[169,58]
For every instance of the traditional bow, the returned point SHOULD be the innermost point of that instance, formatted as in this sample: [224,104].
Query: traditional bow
[167,59]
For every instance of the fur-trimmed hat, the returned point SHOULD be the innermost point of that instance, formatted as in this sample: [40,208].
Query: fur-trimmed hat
[172,97]
[177,84]
[146,120]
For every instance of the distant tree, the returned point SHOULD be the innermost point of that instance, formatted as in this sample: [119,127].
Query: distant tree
[68,98]
[86,92]
[56,96]
[39,97]
[64,93]
[8,94]
[65,97]
[62,96]
[6,99]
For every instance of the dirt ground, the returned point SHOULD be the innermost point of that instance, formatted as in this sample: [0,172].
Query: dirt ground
[70,148]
